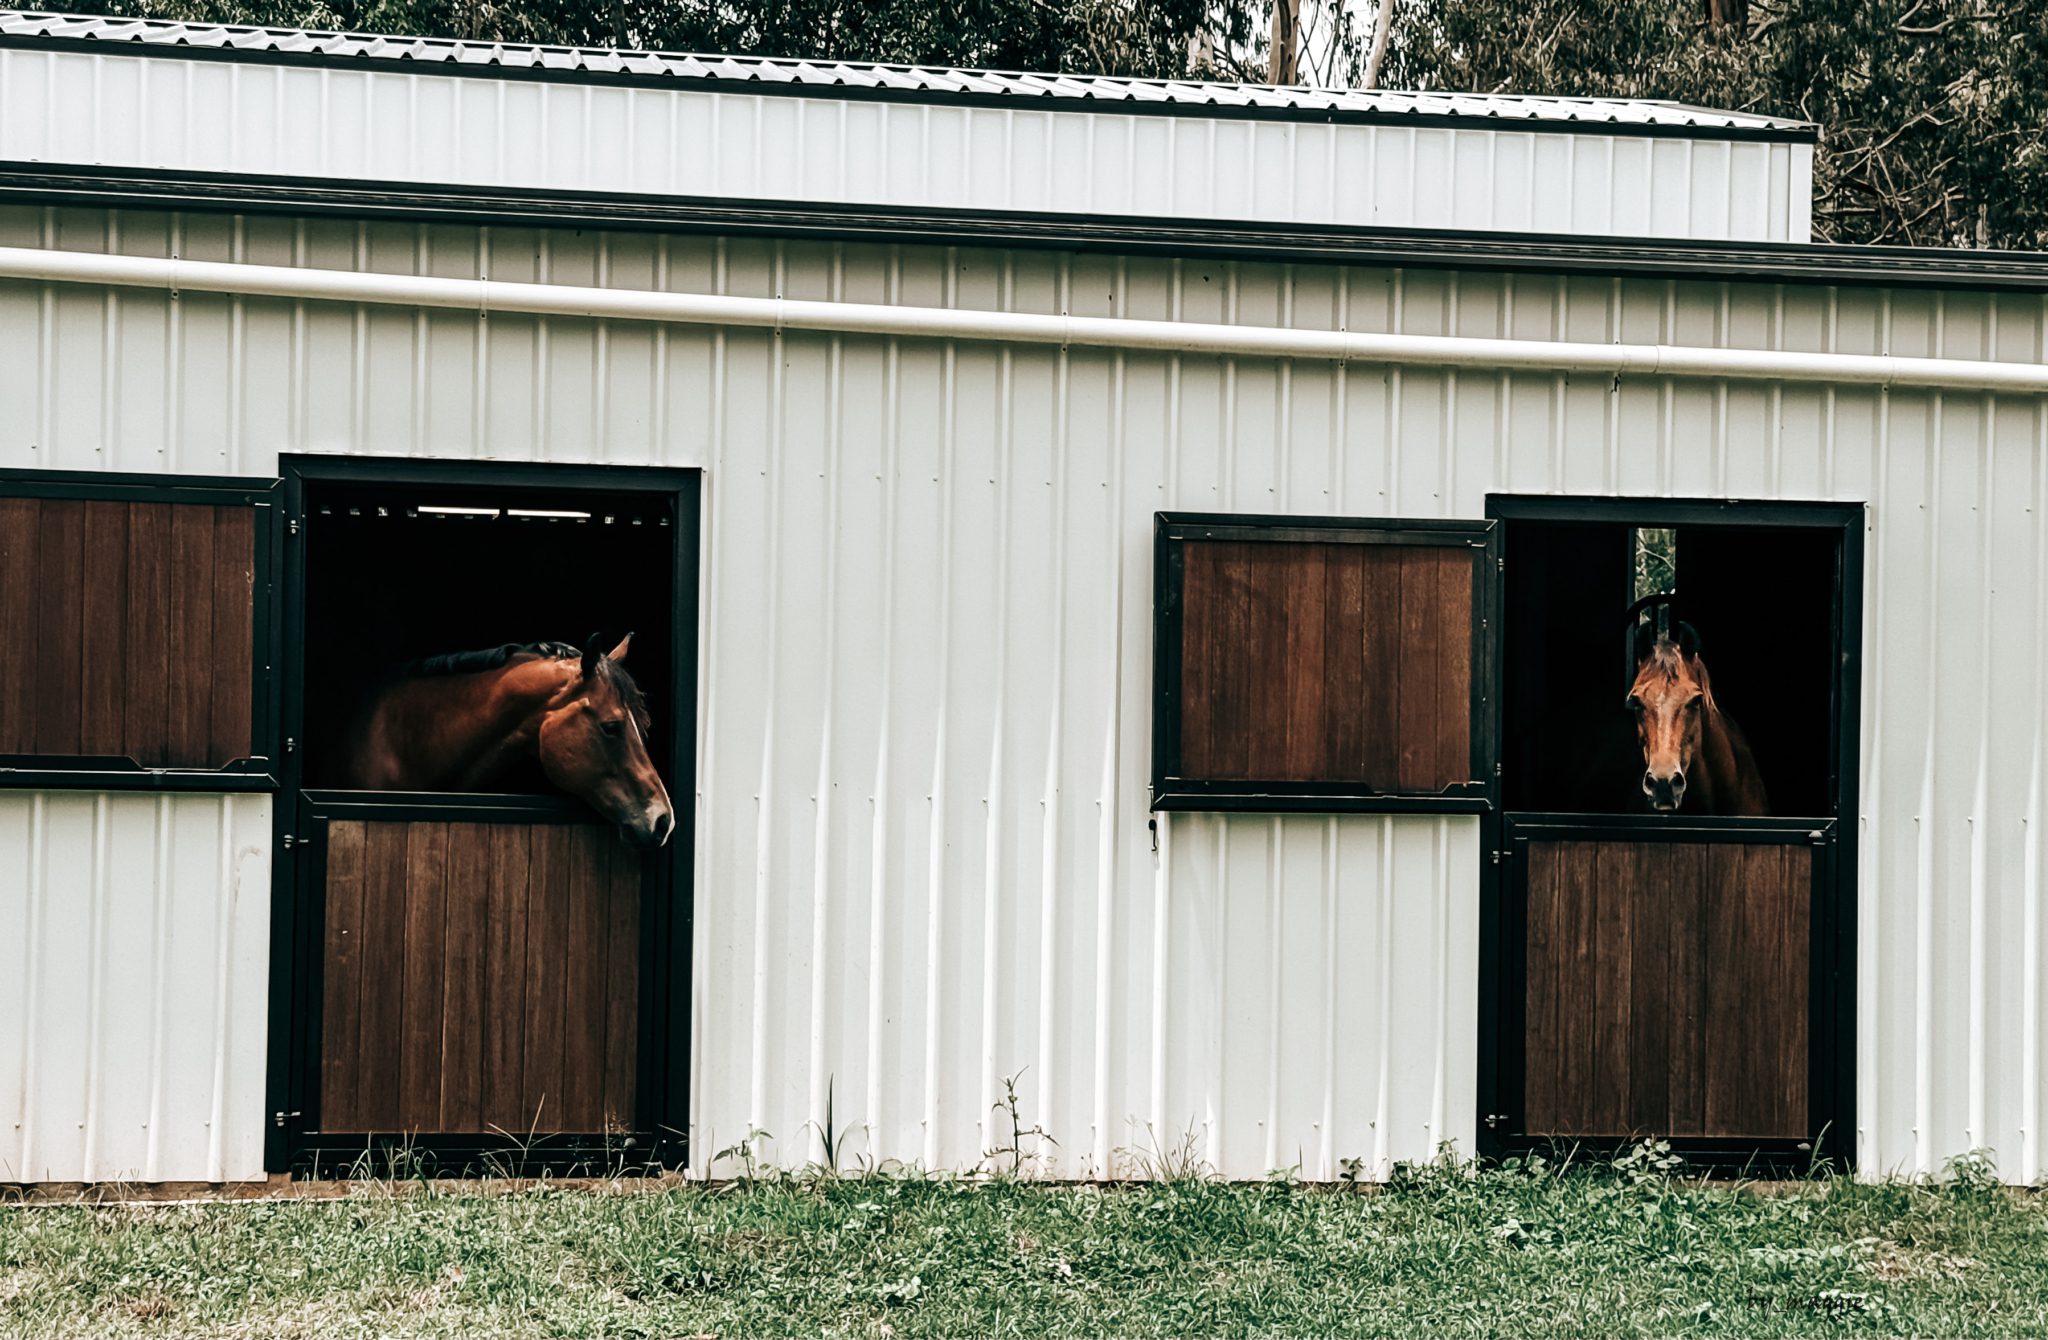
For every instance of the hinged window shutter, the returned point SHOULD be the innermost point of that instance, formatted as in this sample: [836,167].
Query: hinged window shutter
[130,627]
[1323,664]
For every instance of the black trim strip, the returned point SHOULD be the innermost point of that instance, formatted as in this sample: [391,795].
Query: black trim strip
[1786,133]
[1272,243]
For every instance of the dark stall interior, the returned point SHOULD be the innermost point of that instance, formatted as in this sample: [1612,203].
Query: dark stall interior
[399,571]
[1763,602]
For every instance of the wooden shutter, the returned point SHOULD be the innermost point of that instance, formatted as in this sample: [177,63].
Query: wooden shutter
[479,978]
[1323,664]
[129,628]
[1668,986]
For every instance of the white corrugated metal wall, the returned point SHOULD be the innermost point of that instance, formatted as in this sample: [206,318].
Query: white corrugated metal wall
[136,959]
[924,860]
[165,114]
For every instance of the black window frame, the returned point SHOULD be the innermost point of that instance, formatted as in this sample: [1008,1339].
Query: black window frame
[1173,791]
[1833,1022]
[259,770]
[293,1143]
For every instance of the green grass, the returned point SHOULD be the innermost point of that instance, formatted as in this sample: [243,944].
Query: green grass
[1442,1251]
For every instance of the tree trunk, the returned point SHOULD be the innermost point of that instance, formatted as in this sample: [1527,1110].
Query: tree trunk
[1284,67]
[1727,15]
[1382,29]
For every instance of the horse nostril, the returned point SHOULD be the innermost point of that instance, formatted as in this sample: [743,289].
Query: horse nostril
[1649,784]
[664,824]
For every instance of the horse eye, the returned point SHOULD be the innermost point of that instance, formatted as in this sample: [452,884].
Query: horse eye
[1693,706]
[614,728]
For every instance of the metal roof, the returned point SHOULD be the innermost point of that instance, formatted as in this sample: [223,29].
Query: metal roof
[853,78]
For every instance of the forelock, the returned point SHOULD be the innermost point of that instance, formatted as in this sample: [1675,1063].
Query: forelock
[622,683]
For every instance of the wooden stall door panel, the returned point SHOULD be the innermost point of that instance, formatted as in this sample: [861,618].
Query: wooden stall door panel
[1667,989]
[127,630]
[1327,662]
[20,579]
[1756,991]
[479,979]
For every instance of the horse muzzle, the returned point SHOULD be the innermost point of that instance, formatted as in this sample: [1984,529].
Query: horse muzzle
[1666,793]
[654,830]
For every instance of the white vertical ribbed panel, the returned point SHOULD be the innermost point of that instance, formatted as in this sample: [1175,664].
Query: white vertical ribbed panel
[136,936]
[164,114]
[924,856]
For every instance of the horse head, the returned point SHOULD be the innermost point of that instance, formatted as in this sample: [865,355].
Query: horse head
[593,744]
[1671,697]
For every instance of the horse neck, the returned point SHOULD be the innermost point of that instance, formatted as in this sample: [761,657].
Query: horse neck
[483,724]
[1721,747]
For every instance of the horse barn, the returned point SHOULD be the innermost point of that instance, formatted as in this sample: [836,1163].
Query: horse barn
[1134,590]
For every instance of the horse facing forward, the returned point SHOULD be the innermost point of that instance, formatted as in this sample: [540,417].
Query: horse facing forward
[468,721]
[1691,748]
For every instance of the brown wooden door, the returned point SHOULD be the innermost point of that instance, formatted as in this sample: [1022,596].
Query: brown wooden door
[1667,987]
[478,978]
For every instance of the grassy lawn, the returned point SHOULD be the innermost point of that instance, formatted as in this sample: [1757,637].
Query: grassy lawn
[1443,1251]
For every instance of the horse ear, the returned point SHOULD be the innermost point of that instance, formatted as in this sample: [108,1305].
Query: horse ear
[592,653]
[618,653]
[1688,639]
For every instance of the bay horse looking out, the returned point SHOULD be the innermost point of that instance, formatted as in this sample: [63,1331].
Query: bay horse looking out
[1690,747]
[466,721]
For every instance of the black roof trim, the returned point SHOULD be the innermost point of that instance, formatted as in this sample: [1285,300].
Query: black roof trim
[1276,243]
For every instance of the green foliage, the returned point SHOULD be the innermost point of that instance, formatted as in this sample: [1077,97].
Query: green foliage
[1625,1247]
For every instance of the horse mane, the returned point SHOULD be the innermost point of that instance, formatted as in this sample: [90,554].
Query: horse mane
[496,658]
[484,658]
[1669,657]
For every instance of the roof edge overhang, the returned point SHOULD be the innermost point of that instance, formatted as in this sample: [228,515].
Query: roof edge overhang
[1770,130]
[1272,243]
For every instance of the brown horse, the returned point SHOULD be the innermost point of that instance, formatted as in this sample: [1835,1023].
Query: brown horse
[467,721]
[1690,747]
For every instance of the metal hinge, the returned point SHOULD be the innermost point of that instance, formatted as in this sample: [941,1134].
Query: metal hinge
[1496,1120]
[1500,565]
[291,525]
[278,1119]
[1499,856]
[290,744]
[296,840]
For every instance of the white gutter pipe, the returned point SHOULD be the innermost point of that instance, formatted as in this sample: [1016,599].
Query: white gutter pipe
[485,296]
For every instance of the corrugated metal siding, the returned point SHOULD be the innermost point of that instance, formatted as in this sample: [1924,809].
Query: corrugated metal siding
[167,114]
[135,932]
[598,64]
[925,861]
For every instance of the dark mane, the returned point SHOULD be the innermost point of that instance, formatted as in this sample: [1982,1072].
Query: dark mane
[485,658]
[494,658]
[629,692]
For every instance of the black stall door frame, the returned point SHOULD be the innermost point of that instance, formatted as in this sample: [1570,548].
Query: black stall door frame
[661,1124]
[1832,1018]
